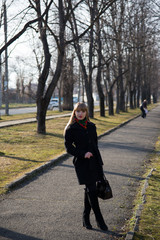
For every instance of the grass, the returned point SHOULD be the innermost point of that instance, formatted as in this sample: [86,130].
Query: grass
[18,105]
[22,149]
[150,218]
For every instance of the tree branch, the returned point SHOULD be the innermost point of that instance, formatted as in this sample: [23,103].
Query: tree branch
[100,13]
[24,29]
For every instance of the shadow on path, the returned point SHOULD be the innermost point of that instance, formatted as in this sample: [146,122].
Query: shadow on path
[6,233]
[107,172]
[125,146]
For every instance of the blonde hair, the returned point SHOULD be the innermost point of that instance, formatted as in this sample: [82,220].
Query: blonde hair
[80,106]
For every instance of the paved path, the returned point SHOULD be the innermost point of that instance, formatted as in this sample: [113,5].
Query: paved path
[50,206]
[29,120]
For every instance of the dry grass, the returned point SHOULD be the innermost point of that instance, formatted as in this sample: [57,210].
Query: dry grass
[150,218]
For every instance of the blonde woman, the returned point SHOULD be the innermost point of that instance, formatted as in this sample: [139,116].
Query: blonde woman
[81,142]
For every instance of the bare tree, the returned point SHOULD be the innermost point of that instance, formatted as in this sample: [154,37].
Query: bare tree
[99,61]
[87,77]
[88,70]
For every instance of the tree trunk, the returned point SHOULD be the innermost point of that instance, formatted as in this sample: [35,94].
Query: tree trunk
[41,116]
[68,83]
[110,103]
[91,39]
[131,98]
[138,78]
[41,104]
[43,99]
[122,93]
[130,93]
[98,78]
[117,107]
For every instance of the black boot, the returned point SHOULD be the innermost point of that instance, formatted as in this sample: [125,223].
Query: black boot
[95,206]
[86,212]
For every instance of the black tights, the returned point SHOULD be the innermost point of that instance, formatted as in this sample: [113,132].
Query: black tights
[91,187]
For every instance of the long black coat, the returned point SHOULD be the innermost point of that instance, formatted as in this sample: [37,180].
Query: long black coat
[79,141]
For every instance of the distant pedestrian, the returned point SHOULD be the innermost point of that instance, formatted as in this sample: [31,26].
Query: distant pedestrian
[81,142]
[143,108]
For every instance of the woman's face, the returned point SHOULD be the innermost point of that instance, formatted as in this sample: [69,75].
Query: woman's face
[80,115]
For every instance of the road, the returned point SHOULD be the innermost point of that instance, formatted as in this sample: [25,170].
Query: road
[14,111]
[49,207]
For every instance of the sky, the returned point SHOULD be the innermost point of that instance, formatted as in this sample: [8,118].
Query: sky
[21,49]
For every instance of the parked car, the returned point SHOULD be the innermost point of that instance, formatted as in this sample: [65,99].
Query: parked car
[75,99]
[53,103]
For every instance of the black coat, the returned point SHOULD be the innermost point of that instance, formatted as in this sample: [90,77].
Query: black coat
[79,141]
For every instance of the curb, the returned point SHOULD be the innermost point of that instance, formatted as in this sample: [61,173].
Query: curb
[55,161]
[130,234]
[115,128]
[36,171]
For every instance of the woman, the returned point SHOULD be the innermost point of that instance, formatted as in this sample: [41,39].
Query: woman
[143,108]
[81,142]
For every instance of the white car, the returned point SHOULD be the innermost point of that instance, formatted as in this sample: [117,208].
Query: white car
[53,103]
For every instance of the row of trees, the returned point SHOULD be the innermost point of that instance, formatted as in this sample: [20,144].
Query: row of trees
[108,45]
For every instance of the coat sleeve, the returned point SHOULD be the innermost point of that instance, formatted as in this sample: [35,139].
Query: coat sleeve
[70,146]
[95,144]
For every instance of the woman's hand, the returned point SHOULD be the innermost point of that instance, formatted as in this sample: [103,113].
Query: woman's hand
[88,155]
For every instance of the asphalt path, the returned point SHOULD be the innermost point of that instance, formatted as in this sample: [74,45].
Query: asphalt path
[50,206]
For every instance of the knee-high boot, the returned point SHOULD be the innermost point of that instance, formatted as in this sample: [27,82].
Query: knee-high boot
[95,206]
[86,212]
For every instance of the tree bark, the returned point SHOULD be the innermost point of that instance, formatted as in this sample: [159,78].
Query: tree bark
[41,103]
[68,83]
[43,97]
[99,51]
[110,102]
